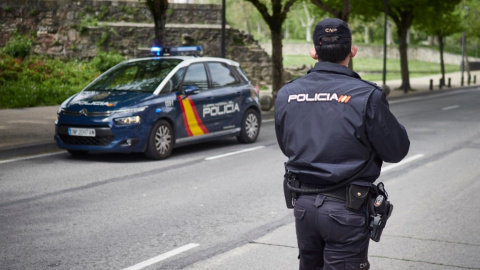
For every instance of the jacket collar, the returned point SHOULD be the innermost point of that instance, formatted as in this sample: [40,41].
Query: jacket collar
[333,68]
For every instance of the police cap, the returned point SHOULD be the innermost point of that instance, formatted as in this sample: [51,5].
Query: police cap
[332,27]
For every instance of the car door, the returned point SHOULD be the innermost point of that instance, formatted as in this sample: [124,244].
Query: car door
[227,97]
[193,102]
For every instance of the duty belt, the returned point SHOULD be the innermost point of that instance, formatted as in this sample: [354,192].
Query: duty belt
[339,193]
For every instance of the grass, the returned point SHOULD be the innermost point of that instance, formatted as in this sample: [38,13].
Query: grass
[371,68]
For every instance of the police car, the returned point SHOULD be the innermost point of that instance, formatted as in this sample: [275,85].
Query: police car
[155,104]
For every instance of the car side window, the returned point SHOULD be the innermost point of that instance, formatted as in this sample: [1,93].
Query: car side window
[196,76]
[221,75]
[242,74]
[174,82]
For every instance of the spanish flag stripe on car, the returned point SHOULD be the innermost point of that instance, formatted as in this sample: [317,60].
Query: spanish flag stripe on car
[193,123]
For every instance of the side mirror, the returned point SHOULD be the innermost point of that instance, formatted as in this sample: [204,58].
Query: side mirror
[191,90]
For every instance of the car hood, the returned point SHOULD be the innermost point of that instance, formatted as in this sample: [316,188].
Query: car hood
[107,100]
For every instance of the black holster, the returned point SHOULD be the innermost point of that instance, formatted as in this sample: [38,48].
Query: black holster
[290,195]
[380,210]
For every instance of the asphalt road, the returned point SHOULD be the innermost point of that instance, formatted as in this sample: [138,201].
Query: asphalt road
[114,211]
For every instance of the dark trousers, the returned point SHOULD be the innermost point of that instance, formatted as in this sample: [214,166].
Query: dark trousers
[329,236]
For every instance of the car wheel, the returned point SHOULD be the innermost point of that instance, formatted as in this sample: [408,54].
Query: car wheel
[250,127]
[160,141]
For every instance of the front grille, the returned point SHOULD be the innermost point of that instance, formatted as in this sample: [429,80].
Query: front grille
[77,140]
[86,113]
[103,136]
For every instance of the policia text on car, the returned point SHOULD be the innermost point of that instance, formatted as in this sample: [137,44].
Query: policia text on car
[336,130]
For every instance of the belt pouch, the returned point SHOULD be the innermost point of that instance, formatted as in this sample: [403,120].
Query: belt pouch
[356,196]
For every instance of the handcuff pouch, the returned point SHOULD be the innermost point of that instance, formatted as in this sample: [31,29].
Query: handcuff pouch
[356,196]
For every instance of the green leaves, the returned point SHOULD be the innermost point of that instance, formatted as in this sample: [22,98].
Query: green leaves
[41,81]
[18,45]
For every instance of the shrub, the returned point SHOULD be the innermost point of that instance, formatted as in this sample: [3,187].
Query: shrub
[40,80]
[18,45]
[86,22]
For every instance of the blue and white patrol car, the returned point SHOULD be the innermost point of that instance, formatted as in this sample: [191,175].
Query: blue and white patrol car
[154,104]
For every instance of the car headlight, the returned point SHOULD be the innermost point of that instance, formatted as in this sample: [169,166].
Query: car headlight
[132,110]
[127,120]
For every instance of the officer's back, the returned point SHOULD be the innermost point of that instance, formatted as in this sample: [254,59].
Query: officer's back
[328,124]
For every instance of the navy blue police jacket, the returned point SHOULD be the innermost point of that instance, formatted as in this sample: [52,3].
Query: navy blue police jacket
[329,121]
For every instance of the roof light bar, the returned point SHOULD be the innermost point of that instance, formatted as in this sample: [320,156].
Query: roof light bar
[177,51]
[156,51]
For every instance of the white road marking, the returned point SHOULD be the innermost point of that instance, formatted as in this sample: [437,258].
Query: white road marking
[403,162]
[162,257]
[450,107]
[235,153]
[268,120]
[31,157]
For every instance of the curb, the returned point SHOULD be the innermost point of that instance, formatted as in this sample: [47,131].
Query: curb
[28,149]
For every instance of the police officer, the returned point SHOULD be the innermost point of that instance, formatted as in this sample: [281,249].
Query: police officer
[328,123]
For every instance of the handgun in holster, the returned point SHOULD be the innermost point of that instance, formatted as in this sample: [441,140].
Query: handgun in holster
[290,196]
[380,211]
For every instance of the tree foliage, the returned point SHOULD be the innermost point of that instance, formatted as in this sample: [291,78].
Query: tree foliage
[274,13]
[471,18]
[404,13]
[337,8]
[441,21]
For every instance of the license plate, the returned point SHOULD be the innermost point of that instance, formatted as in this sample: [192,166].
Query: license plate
[84,132]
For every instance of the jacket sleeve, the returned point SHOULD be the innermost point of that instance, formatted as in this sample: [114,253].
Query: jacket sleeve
[278,132]
[385,133]
[278,118]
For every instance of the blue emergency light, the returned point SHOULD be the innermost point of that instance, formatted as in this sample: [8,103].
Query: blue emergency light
[177,51]
[156,51]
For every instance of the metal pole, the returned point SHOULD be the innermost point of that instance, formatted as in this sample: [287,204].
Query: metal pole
[463,56]
[384,76]
[223,28]
[467,9]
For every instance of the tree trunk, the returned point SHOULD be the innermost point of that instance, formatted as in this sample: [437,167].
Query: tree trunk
[403,46]
[367,34]
[442,64]
[346,8]
[277,59]
[160,32]
[308,33]
[159,12]
[389,34]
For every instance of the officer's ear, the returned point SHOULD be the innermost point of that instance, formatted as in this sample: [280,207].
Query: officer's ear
[313,53]
[353,51]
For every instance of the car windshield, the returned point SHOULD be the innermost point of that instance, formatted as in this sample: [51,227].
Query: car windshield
[143,76]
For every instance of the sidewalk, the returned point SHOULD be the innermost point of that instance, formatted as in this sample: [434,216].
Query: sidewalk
[278,251]
[422,84]
[29,131]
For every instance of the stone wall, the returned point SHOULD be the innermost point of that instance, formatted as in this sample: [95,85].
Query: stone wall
[79,29]
[376,51]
